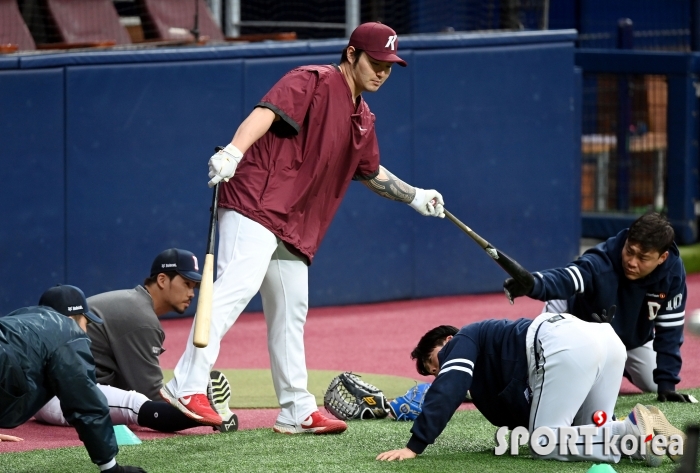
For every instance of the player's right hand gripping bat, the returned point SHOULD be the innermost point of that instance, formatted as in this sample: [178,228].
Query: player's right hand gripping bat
[517,272]
[202,319]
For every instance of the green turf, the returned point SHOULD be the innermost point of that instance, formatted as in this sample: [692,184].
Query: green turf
[690,255]
[466,445]
[253,388]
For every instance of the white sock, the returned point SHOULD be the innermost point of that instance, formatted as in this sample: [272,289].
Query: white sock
[625,427]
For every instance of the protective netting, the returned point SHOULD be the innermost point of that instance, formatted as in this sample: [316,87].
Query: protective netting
[68,24]
[655,24]
[624,143]
[63,24]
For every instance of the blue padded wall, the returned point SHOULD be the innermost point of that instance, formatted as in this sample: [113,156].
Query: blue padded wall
[496,136]
[489,121]
[139,140]
[32,233]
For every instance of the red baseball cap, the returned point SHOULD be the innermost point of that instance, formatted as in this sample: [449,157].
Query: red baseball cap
[378,40]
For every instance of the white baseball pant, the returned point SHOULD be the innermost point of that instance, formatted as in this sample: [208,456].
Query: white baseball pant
[641,361]
[251,258]
[124,407]
[575,369]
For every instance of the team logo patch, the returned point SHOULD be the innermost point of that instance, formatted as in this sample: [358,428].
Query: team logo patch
[390,42]
[653,309]
[196,266]
[156,350]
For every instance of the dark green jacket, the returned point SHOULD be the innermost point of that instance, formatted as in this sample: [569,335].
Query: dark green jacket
[45,354]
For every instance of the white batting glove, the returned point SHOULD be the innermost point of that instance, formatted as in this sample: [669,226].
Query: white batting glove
[428,203]
[223,164]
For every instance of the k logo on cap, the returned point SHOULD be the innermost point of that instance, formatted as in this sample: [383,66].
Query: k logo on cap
[378,40]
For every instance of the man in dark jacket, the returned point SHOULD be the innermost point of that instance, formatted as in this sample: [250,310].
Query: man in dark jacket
[503,365]
[44,353]
[639,271]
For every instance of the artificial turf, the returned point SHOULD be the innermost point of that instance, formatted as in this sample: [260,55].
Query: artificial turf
[690,255]
[252,388]
[466,445]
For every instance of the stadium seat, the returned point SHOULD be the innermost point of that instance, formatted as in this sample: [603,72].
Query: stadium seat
[173,20]
[14,33]
[87,22]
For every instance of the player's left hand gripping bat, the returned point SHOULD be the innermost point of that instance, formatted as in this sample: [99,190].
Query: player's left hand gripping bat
[202,319]
[517,272]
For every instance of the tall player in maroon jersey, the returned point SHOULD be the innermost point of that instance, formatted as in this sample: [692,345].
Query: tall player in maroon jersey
[293,158]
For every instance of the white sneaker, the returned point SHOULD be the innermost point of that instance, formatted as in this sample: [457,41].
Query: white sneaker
[640,423]
[663,427]
[219,395]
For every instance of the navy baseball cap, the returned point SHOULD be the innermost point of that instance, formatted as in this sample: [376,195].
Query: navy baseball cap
[68,300]
[378,40]
[174,259]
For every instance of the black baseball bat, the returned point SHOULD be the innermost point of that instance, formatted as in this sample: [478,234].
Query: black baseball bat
[509,265]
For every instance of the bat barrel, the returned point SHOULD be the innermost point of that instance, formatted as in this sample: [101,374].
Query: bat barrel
[202,319]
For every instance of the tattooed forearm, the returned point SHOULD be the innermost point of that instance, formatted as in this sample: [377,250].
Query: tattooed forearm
[389,186]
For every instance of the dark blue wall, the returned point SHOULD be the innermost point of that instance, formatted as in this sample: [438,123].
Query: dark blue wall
[32,185]
[105,163]
[503,148]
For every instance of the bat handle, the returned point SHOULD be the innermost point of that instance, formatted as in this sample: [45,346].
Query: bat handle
[480,241]
[211,240]
[510,298]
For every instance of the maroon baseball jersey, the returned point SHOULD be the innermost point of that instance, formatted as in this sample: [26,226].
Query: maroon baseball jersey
[293,179]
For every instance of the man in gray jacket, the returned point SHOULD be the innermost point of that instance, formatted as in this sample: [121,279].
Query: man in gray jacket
[127,346]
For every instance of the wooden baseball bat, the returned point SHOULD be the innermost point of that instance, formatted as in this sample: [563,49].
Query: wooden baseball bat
[202,318]
[509,265]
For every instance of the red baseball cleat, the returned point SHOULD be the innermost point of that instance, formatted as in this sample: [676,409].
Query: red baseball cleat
[316,423]
[195,407]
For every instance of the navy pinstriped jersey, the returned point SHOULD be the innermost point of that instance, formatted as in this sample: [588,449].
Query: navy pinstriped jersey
[649,308]
[489,360]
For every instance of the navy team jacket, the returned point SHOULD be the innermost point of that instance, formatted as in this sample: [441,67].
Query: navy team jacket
[649,308]
[45,354]
[489,360]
